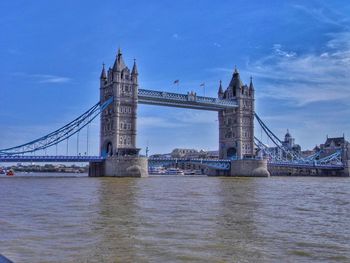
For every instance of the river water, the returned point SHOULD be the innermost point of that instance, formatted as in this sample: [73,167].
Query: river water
[175,219]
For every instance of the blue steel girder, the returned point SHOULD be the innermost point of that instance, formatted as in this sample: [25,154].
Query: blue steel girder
[212,163]
[308,165]
[290,156]
[189,100]
[61,134]
[58,158]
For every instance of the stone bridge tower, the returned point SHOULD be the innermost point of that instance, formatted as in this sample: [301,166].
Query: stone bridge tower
[236,126]
[118,121]
[118,124]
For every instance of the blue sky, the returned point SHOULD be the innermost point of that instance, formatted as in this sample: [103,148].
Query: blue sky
[298,53]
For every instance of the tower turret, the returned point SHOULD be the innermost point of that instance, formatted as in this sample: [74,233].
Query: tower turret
[236,80]
[119,64]
[103,77]
[220,91]
[235,86]
[134,72]
[251,87]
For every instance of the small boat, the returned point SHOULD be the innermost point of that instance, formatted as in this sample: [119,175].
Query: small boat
[10,173]
[189,172]
[2,171]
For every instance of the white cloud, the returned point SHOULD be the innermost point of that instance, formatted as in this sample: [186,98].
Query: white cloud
[175,36]
[309,77]
[54,79]
[43,78]
[279,51]
[323,15]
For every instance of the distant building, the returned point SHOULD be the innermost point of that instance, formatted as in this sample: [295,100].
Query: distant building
[212,154]
[184,153]
[158,155]
[307,153]
[188,154]
[289,143]
[332,145]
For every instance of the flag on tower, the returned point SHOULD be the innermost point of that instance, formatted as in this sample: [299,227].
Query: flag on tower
[203,86]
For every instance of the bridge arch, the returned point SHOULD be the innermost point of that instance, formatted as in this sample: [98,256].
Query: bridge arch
[107,149]
[231,152]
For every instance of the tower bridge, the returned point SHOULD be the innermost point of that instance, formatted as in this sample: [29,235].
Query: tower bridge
[119,156]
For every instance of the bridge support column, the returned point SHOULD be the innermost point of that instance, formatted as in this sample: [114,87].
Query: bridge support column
[346,171]
[120,166]
[249,167]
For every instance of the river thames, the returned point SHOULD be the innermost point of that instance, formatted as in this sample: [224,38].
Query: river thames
[175,219]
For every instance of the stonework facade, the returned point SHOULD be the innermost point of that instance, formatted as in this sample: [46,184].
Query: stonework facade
[236,126]
[118,121]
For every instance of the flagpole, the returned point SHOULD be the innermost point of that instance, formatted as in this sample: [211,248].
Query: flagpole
[203,85]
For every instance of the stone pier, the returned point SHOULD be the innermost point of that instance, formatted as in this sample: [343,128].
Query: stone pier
[120,166]
[346,171]
[250,168]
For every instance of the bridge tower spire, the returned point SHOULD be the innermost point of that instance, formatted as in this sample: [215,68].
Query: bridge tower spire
[236,126]
[134,73]
[103,77]
[220,91]
[118,121]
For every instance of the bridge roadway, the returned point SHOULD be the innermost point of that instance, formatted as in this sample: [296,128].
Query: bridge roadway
[217,164]
[213,163]
[189,100]
[49,158]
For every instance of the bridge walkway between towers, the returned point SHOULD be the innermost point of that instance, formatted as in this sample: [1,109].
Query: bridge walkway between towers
[189,100]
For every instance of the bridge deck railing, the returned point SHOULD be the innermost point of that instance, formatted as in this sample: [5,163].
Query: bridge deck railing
[185,98]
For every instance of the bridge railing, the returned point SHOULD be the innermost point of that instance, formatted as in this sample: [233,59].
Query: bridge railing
[185,98]
[220,164]
[50,158]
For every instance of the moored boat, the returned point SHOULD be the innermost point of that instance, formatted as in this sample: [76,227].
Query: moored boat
[10,173]
[175,171]
[156,170]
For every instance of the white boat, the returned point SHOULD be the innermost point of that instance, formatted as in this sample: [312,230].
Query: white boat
[189,172]
[156,170]
[175,171]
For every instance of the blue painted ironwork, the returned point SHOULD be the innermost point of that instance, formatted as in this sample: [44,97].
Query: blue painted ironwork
[189,100]
[59,158]
[308,165]
[289,153]
[217,164]
[293,159]
[61,134]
